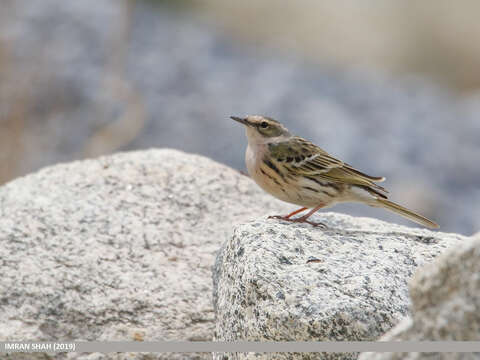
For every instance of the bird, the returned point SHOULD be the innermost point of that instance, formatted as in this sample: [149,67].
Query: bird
[297,171]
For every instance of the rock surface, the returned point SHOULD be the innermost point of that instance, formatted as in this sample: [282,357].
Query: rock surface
[278,281]
[445,299]
[119,248]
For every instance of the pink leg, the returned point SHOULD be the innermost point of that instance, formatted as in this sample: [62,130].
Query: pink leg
[286,217]
[302,219]
[310,213]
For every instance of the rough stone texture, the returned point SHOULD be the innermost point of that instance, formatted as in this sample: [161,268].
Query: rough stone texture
[356,288]
[119,248]
[418,356]
[445,299]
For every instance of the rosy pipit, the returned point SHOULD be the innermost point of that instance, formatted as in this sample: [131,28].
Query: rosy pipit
[297,171]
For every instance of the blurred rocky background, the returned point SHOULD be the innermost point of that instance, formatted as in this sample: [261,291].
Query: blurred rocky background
[390,87]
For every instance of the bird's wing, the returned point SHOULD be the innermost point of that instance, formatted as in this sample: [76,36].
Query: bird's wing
[307,159]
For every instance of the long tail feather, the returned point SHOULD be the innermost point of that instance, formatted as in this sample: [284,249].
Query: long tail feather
[419,219]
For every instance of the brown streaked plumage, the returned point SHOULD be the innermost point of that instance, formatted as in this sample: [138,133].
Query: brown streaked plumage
[297,171]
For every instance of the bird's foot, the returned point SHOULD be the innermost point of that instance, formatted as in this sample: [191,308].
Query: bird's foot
[301,219]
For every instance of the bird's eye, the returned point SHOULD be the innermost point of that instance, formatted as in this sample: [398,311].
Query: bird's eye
[264,124]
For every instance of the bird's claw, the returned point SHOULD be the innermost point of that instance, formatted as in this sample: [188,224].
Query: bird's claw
[314,224]
[298,220]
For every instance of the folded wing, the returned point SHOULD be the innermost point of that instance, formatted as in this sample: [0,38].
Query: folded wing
[309,160]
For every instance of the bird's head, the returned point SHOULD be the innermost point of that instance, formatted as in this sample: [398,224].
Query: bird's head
[262,129]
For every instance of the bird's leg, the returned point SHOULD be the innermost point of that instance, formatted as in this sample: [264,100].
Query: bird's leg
[302,219]
[310,213]
[287,217]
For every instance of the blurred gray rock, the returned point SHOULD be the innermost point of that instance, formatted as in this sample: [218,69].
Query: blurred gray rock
[275,281]
[105,75]
[119,248]
[445,304]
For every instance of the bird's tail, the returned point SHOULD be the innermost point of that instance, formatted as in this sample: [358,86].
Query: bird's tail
[419,219]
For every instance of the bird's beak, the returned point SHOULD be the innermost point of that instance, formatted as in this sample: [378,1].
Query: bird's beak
[240,120]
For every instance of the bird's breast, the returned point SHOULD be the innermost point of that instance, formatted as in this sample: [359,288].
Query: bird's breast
[251,157]
[270,176]
[274,178]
